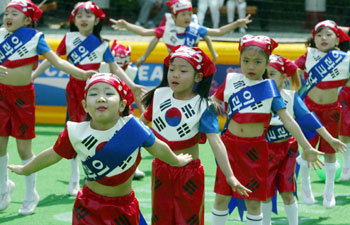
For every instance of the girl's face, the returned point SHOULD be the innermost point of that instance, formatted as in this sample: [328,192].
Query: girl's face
[182,78]
[103,103]
[276,75]
[253,63]
[14,19]
[85,21]
[326,40]
[183,19]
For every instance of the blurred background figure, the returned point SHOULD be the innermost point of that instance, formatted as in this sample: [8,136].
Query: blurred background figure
[315,12]
[214,6]
[3,4]
[146,8]
[241,9]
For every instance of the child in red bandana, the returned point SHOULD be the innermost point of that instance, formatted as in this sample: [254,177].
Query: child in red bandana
[20,48]
[331,67]
[107,196]
[250,101]
[180,28]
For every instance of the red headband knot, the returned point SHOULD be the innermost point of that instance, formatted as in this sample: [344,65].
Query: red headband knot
[88,6]
[264,42]
[28,8]
[283,65]
[195,56]
[334,27]
[121,54]
[123,89]
[177,6]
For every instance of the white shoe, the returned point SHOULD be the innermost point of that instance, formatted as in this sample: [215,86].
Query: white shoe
[307,196]
[138,174]
[345,174]
[28,207]
[5,198]
[73,188]
[328,201]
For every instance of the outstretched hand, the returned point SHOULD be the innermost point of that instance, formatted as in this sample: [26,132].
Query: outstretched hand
[243,22]
[18,169]
[118,24]
[338,146]
[183,159]
[311,156]
[238,187]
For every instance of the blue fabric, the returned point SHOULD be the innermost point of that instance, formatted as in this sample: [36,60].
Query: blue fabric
[299,107]
[202,31]
[149,141]
[277,104]
[107,56]
[142,220]
[43,46]
[209,121]
[84,49]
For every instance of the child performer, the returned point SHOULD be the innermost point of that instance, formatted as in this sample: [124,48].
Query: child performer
[121,56]
[180,111]
[181,28]
[283,148]
[86,49]
[327,69]
[108,144]
[250,102]
[19,50]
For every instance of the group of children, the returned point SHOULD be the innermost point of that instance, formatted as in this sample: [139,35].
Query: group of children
[256,153]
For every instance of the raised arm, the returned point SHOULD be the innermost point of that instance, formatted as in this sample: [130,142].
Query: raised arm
[67,67]
[228,27]
[162,151]
[220,154]
[148,51]
[211,48]
[44,159]
[44,65]
[123,24]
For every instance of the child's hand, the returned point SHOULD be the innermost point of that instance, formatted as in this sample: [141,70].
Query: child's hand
[3,72]
[311,156]
[18,169]
[118,24]
[183,159]
[338,146]
[243,22]
[139,91]
[237,186]
[88,74]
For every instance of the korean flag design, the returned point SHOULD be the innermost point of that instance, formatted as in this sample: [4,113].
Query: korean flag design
[173,116]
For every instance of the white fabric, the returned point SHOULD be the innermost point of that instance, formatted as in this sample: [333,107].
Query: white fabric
[3,173]
[219,217]
[346,157]
[254,220]
[266,208]
[30,183]
[214,6]
[74,170]
[292,213]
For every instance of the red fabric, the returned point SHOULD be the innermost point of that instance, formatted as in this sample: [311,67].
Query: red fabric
[22,62]
[28,8]
[248,158]
[178,193]
[177,6]
[180,145]
[121,54]
[195,56]
[329,115]
[88,6]
[283,65]
[121,87]
[300,62]
[63,146]
[264,42]
[62,49]
[159,31]
[282,160]
[333,26]
[74,95]
[92,208]
[344,100]
[148,112]
[17,111]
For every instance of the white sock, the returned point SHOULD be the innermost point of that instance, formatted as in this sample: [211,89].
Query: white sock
[218,217]
[266,208]
[292,213]
[3,173]
[74,170]
[254,219]
[346,157]
[30,183]
[330,169]
[304,174]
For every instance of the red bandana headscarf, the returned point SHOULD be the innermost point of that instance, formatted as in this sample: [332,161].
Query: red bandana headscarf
[264,42]
[28,8]
[177,6]
[333,26]
[89,6]
[283,65]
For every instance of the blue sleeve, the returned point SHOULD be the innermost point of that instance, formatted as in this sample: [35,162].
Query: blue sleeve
[299,108]
[277,104]
[150,140]
[209,121]
[202,31]
[107,56]
[43,46]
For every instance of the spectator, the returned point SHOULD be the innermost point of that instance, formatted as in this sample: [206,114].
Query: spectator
[241,8]
[145,11]
[214,6]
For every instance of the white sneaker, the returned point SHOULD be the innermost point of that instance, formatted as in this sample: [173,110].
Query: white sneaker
[307,196]
[328,201]
[345,174]
[73,188]
[28,207]
[138,174]
[5,198]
